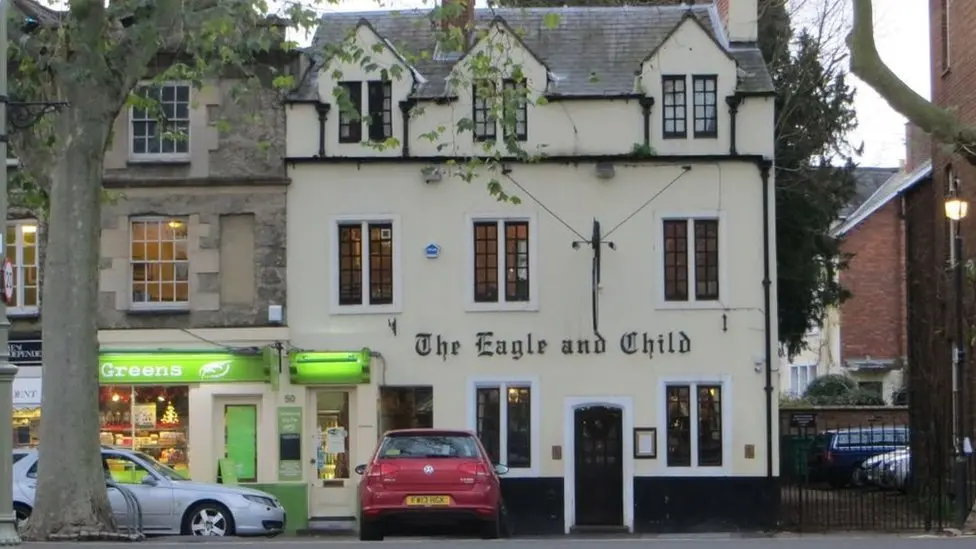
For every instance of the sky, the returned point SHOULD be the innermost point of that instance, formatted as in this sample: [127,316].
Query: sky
[901,33]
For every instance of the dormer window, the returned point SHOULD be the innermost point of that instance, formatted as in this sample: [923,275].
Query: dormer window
[675,106]
[705,88]
[484,122]
[516,110]
[380,105]
[350,99]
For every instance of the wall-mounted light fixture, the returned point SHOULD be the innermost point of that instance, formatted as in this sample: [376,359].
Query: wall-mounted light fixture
[432,174]
[605,170]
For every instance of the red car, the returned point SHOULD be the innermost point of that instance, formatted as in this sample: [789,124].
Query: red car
[430,477]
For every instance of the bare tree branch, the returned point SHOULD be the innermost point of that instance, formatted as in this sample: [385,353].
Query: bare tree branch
[942,124]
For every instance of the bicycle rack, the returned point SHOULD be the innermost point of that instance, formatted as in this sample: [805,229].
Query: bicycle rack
[133,510]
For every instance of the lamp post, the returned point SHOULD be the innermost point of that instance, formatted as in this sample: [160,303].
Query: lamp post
[13,115]
[956,209]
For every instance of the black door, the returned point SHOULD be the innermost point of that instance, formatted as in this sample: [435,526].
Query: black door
[599,466]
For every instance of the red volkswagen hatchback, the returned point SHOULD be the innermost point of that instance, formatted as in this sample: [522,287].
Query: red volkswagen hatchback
[430,477]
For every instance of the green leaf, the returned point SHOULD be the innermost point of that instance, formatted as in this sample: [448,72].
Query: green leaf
[550,20]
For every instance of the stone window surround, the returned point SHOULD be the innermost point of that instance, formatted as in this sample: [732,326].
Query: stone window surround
[115,275]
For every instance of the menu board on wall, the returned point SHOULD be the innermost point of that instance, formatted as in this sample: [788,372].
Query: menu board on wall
[241,423]
[289,443]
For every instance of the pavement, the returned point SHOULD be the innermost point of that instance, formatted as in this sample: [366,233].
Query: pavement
[718,541]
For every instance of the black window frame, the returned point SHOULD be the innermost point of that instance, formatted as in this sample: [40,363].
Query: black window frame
[353,124]
[498,242]
[516,93]
[481,107]
[675,261]
[702,100]
[361,242]
[681,263]
[707,259]
[515,426]
[669,112]
[379,104]
[688,418]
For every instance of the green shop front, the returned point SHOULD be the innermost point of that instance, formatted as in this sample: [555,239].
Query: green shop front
[326,426]
[192,410]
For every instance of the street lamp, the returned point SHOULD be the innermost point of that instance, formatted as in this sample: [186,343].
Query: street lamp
[956,209]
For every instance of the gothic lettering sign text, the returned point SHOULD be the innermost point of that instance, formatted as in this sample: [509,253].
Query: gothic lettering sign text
[489,344]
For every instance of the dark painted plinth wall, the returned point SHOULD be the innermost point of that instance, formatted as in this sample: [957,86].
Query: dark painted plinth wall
[535,505]
[661,504]
[704,504]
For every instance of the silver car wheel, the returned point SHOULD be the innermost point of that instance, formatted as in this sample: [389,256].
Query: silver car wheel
[208,521]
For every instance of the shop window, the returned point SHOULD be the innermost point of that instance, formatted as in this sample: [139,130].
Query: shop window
[332,435]
[695,433]
[504,425]
[152,420]
[26,426]
[406,408]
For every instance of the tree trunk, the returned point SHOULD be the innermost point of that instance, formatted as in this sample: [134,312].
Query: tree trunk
[69,417]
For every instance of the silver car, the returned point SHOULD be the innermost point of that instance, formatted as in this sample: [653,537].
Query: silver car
[170,503]
[870,471]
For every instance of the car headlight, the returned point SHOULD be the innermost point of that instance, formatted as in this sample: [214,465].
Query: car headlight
[260,500]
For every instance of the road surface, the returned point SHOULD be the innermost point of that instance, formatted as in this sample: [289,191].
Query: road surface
[879,541]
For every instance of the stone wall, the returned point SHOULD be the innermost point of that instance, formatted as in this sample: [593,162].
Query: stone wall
[236,251]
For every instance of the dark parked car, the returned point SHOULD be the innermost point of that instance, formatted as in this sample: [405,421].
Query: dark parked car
[836,455]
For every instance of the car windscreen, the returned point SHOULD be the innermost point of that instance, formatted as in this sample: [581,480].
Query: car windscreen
[19,456]
[161,469]
[429,446]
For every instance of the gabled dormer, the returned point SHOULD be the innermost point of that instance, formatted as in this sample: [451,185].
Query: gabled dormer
[361,84]
[690,75]
[498,73]
[591,81]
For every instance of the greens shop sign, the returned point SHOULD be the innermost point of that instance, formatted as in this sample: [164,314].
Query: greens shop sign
[154,368]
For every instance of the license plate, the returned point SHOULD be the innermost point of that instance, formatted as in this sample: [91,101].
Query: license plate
[428,501]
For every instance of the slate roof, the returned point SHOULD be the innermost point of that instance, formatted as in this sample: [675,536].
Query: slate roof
[593,50]
[867,181]
[894,186]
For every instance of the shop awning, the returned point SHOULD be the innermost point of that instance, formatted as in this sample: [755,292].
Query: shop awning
[169,367]
[329,367]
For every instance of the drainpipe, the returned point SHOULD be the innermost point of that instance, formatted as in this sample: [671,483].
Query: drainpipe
[767,283]
[646,103]
[733,101]
[323,110]
[405,106]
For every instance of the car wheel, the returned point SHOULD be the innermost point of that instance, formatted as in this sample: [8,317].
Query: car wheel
[506,522]
[208,519]
[21,514]
[493,528]
[369,532]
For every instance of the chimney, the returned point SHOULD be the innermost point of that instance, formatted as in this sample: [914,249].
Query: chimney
[741,19]
[458,14]
[918,146]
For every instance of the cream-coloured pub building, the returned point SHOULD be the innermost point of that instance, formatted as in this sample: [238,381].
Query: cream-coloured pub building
[609,336]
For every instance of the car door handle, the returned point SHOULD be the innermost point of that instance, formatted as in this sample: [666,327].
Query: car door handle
[32,485]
